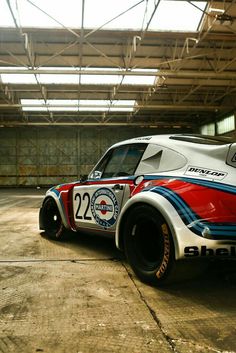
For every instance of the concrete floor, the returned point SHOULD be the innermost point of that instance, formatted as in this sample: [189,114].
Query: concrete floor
[80,296]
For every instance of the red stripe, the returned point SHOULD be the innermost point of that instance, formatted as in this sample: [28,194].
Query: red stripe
[211,204]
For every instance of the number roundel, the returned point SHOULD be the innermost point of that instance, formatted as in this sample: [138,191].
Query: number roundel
[104,207]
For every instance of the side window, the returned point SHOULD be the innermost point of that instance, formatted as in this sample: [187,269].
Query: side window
[121,161]
[124,160]
[99,168]
[115,162]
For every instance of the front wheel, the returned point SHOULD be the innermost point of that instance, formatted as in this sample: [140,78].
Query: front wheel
[51,219]
[149,245]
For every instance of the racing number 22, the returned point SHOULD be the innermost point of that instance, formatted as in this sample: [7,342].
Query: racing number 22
[85,198]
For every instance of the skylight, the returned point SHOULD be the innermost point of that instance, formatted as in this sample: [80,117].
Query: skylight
[53,105]
[123,14]
[42,13]
[50,105]
[173,15]
[18,78]
[137,76]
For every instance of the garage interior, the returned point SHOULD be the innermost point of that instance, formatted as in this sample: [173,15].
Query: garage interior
[77,76]
[67,94]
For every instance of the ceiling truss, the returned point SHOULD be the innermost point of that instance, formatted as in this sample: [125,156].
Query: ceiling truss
[195,78]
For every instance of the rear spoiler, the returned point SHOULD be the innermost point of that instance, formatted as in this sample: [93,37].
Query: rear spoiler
[231,157]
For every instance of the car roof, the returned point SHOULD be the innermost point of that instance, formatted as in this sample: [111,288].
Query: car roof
[180,139]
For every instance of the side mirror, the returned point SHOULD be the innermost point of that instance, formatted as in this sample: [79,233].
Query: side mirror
[83,178]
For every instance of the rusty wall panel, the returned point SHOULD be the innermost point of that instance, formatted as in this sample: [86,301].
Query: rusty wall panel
[89,149]
[52,155]
[8,157]
[27,157]
[57,155]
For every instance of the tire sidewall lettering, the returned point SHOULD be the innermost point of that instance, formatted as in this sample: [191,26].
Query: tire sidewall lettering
[166,256]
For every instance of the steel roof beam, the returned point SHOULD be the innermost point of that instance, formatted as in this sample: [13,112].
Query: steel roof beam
[143,106]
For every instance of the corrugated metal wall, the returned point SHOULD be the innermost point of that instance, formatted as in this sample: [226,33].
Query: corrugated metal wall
[51,155]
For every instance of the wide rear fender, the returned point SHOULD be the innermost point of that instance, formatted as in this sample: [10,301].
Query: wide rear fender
[160,203]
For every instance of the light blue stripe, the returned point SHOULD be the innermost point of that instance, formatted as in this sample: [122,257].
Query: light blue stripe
[190,216]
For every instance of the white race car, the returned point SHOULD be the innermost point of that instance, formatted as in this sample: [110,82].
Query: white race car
[165,198]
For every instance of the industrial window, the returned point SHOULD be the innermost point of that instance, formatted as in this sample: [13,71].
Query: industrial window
[208,129]
[225,125]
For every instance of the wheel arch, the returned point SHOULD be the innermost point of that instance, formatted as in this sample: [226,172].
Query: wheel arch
[121,225]
[159,204]
[60,207]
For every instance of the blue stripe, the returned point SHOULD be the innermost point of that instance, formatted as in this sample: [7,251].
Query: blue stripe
[209,184]
[192,220]
[58,194]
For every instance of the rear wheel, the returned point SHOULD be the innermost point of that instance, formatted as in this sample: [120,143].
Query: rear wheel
[52,221]
[149,245]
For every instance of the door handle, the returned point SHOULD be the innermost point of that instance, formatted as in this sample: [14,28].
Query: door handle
[117,187]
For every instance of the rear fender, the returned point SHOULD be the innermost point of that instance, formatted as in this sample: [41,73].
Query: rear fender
[156,201]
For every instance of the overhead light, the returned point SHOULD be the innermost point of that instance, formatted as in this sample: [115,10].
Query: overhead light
[212,9]
[84,76]
[53,105]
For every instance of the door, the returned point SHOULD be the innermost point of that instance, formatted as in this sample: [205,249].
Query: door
[97,203]
[98,206]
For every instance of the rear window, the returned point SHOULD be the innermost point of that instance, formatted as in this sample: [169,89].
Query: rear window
[203,139]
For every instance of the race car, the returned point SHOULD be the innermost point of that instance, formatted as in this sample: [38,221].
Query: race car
[166,199]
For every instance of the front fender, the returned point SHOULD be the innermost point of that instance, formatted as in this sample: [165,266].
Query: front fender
[61,198]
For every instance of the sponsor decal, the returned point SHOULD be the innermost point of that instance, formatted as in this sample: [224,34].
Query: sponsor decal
[166,256]
[97,174]
[145,138]
[205,172]
[104,207]
[204,251]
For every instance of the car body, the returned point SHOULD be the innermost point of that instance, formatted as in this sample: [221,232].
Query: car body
[165,198]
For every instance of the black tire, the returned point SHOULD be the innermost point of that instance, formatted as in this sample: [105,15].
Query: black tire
[52,221]
[149,245]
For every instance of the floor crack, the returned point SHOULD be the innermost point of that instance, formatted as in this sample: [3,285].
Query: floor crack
[170,340]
